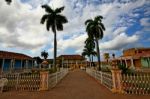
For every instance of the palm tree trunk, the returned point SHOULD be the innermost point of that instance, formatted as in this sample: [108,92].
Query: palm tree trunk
[98,56]
[55,49]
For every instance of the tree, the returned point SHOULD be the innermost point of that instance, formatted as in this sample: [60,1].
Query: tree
[89,49]
[54,21]
[95,29]
[44,54]
[113,55]
[106,56]
[38,60]
[8,1]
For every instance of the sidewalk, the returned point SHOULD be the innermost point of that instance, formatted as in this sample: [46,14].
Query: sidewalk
[76,85]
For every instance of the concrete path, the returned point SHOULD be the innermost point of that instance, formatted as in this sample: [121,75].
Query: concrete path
[76,85]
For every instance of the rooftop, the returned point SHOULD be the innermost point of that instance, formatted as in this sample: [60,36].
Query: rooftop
[13,55]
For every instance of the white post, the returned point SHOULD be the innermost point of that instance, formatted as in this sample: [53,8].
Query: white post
[132,63]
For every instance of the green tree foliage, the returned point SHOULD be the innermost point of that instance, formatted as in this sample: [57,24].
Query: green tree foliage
[95,28]
[54,21]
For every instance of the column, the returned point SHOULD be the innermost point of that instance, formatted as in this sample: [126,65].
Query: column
[116,78]
[11,65]
[132,63]
[26,64]
[43,81]
[120,61]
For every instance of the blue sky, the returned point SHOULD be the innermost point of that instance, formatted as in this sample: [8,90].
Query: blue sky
[127,25]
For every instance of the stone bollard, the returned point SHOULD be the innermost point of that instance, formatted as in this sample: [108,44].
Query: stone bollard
[43,80]
[116,77]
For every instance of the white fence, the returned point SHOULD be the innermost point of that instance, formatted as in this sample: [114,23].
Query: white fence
[103,77]
[31,82]
[137,83]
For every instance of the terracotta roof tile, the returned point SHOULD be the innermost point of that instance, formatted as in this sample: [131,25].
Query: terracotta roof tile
[13,55]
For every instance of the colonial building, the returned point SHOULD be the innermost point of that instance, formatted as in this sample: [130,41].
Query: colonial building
[138,58]
[72,61]
[10,61]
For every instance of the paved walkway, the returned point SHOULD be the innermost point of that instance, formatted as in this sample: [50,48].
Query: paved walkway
[76,85]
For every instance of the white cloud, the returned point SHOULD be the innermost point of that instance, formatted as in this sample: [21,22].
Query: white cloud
[145,22]
[120,41]
[20,24]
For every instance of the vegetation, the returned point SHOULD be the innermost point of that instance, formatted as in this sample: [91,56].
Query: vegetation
[54,21]
[95,29]
[44,54]
[89,49]
[106,56]
[38,60]
[124,69]
[8,1]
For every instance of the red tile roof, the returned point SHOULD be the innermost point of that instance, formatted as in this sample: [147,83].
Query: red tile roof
[136,56]
[13,55]
[71,57]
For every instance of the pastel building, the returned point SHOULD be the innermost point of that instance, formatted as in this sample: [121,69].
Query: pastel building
[72,61]
[138,58]
[10,61]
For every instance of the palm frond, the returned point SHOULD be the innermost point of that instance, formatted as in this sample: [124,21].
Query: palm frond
[49,23]
[61,18]
[59,10]
[48,9]
[98,18]
[59,26]
[8,1]
[44,18]
[88,21]
[102,26]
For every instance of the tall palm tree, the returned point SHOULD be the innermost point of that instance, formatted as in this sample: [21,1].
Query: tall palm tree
[55,21]
[95,28]
[44,54]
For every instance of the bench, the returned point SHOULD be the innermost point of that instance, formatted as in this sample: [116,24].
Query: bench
[3,82]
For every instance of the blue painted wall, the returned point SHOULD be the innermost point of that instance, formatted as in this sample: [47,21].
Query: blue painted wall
[29,64]
[17,64]
[7,64]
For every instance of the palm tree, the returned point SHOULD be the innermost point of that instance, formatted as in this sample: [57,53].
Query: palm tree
[106,56]
[55,21]
[8,1]
[90,45]
[95,29]
[44,54]
[87,52]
